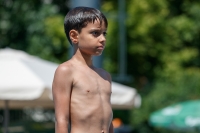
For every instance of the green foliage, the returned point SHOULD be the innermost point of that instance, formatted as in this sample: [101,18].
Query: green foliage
[163,39]
[15,17]
[35,27]
[154,33]
[52,39]
[182,87]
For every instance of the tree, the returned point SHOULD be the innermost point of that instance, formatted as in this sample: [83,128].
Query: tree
[163,40]
[35,27]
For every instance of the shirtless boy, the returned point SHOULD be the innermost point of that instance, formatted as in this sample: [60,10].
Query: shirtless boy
[81,92]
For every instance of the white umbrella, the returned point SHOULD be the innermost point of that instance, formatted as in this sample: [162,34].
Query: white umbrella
[124,97]
[26,80]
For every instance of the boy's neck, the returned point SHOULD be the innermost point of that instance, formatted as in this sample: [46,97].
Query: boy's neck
[83,58]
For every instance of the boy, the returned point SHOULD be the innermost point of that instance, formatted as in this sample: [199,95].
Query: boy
[81,92]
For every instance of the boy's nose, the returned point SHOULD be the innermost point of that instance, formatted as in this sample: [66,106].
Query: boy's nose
[102,38]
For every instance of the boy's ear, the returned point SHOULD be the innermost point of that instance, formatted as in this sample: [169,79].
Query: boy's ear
[73,34]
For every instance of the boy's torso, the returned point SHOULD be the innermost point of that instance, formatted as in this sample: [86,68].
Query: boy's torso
[90,108]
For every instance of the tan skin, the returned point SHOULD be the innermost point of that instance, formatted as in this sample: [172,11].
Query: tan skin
[81,92]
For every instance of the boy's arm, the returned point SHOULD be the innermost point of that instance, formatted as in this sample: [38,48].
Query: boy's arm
[61,96]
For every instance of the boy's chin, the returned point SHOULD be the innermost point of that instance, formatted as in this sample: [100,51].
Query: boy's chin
[98,54]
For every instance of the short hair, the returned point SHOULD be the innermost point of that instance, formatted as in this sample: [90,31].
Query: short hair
[79,17]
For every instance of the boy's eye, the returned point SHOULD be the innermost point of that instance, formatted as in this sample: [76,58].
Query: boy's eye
[95,33]
[98,33]
[104,33]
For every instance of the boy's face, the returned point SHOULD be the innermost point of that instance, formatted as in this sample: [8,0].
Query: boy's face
[91,39]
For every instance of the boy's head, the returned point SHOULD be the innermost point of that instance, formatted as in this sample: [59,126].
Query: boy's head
[79,17]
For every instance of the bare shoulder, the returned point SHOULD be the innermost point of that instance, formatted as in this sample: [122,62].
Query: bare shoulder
[65,67]
[63,75]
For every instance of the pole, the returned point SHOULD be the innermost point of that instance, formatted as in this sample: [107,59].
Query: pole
[122,39]
[6,117]
[122,45]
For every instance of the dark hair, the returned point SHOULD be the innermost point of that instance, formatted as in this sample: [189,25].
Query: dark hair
[79,17]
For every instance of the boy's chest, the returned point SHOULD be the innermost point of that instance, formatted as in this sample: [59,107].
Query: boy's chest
[87,82]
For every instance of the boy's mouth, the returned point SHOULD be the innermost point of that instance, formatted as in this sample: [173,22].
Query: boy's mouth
[100,47]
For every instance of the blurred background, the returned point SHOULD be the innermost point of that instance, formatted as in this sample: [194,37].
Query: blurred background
[152,45]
